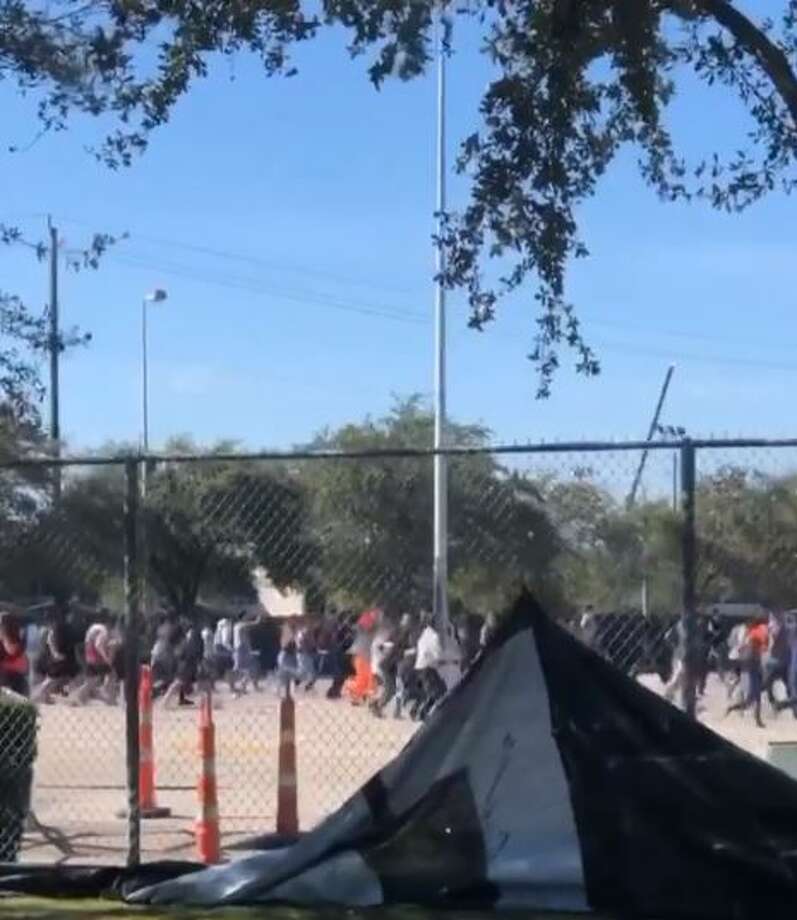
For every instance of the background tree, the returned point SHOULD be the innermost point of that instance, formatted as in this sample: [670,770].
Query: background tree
[210,525]
[747,537]
[575,82]
[23,490]
[609,551]
[371,518]
[74,549]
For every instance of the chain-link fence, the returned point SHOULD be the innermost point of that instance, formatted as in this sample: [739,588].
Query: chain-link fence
[17,753]
[62,571]
[230,572]
[746,551]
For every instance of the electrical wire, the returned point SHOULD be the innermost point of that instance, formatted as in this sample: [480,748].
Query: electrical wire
[256,286]
[248,258]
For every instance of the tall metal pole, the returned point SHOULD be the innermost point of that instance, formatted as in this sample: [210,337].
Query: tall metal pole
[131,658]
[688,563]
[54,341]
[144,379]
[145,592]
[651,431]
[440,570]
[156,296]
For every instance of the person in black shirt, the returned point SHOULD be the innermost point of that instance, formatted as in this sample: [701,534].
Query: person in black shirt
[337,641]
[468,633]
[59,659]
[187,655]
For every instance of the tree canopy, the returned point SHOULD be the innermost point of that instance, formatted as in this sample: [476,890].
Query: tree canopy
[354,531]
[372,518]
[574,82]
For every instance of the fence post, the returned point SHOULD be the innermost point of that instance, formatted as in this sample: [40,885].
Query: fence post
[688,560]
[131,652]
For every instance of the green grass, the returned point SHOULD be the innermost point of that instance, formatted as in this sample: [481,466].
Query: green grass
[73,909]
[43,909]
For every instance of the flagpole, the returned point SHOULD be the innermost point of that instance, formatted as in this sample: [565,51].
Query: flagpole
[440,569]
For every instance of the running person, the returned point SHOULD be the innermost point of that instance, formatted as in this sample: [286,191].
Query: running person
[14,663]
[287,667]
[187,657]
[755,648]
[98,656]
[306,657]
[244,660]
[162,660]
[60,661]
[428,660]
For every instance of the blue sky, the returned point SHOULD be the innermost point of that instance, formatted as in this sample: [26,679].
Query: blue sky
[290,222]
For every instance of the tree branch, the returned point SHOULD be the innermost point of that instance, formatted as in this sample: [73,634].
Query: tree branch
[770,57]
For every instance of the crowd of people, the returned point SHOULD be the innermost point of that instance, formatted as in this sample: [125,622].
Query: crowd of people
[762,654]
[755,658]
[380,660]
[58,660]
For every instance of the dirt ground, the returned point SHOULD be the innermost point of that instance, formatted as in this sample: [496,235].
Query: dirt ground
[740,728]
[80,771]
[79,786]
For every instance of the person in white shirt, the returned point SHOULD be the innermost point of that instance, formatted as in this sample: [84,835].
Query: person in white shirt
[245,662]
[223,637]
[162,663]
[306,657]
[487,630]
[207,643]
[429,649]
[428,660]
[736,647]
[223,641]
[449,667]
[97,655]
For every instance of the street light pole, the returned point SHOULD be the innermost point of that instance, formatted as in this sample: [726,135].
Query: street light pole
[144,379]
[156,296]
[440,557]
[54,340]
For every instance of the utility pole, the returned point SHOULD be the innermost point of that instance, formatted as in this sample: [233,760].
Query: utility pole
[651,431]
[54,344]
[440,554]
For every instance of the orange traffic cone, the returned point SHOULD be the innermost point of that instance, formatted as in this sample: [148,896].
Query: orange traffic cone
[287,805]
[207,822]
[146,756]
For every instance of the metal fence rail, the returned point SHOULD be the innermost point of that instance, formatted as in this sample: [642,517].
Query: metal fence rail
[164,553]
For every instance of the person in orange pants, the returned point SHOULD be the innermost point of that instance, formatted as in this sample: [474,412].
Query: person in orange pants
[362,686]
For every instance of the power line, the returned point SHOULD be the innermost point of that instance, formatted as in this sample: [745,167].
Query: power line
[271,265]
[642,350]
[254,286]
[679,333]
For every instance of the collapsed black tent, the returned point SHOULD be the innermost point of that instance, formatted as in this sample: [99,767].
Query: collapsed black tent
[547,780]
